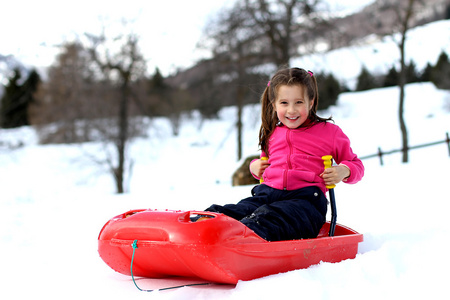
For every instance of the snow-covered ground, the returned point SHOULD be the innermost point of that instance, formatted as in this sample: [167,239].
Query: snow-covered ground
[54,201]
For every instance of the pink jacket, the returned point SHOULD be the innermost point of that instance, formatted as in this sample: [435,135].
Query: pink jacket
[295,156]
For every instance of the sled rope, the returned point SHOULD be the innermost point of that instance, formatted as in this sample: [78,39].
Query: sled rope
[134,245]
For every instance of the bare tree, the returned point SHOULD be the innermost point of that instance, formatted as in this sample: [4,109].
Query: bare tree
[66,97]
[249,34]
[278,20]
[122,68]
[87,97]
[233,46]
[403,13]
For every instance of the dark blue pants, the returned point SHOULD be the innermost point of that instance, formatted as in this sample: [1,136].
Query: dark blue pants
[278,215]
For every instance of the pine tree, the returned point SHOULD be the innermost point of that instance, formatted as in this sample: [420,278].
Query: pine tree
[426,73]
[391,79]
[440,74]
[11,90]
[329,90]
[411,73]
[17,98]
[157,81]
[365,80]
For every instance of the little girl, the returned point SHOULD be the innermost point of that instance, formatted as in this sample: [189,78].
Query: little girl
[291,202]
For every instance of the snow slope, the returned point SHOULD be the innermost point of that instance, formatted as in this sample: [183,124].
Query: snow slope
[54,201]
[424,44]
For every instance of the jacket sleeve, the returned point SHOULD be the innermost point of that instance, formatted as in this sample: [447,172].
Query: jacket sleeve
[344,155]
[254,175]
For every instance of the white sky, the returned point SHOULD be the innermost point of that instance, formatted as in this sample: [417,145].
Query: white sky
[170,30]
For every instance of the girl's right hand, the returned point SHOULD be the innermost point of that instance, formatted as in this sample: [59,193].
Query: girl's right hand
[258,166]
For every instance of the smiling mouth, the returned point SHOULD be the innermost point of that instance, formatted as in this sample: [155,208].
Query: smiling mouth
[292,119]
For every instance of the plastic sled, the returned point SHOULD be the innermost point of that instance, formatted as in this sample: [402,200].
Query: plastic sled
[219,249]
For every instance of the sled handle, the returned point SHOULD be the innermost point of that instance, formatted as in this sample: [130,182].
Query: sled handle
[263,158]
[327,161]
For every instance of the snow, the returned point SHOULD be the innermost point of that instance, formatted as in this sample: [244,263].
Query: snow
[54,202]
[379,56]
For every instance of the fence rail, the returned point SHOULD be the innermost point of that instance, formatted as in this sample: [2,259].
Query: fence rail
[381,153]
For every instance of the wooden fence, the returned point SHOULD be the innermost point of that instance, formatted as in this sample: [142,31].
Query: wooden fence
[381,153]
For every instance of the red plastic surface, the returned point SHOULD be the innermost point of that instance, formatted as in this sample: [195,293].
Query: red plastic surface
[219,249]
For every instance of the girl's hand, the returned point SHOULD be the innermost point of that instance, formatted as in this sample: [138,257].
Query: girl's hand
[335,174]
[258,166]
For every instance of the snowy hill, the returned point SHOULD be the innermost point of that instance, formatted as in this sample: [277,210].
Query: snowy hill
[54,201]
[424,44]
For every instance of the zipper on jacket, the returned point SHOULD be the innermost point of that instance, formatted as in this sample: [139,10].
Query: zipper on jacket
[288,140]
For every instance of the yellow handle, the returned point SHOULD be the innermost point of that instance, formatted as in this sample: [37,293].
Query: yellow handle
[327,159]
[263,158]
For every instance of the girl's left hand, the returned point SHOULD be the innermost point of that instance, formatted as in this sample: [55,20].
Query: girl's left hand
[335,174]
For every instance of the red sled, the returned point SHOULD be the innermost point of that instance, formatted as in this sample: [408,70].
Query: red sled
[219,249]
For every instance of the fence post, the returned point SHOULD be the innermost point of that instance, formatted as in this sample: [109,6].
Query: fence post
[380,154]
[448,142]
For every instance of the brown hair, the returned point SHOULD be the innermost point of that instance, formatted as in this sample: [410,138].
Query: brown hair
[290,76]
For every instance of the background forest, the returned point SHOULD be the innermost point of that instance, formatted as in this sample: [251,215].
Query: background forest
[99,87]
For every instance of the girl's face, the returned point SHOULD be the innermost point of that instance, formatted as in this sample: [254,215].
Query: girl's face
[292,105]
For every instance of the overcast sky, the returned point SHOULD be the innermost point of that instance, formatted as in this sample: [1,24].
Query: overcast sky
[32,30]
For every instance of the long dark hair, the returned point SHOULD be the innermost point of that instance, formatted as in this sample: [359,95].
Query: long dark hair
[290,76]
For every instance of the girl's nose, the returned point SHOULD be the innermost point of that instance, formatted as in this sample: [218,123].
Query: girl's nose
[291,109]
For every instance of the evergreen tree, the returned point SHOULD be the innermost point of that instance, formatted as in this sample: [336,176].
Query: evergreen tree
[10,91]
[440,74]
[366,81]
[426,73]
[158,93]
[16,100]
[391,79]
[157,82]
[411,73]
[329,90]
